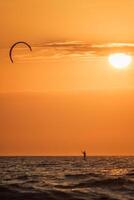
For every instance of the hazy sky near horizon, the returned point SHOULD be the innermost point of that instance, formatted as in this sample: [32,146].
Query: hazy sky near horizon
[65,92]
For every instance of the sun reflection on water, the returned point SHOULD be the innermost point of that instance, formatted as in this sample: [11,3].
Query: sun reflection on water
[118,172]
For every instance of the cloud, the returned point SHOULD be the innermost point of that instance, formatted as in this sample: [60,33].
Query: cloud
[59,49]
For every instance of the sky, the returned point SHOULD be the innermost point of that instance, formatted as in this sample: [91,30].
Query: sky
[64,96]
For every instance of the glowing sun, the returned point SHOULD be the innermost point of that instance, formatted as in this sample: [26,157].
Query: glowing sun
[120,60]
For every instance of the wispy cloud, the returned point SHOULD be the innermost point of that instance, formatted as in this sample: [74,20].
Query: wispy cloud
[56,50]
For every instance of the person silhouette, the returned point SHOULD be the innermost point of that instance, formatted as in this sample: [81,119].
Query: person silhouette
[84,155]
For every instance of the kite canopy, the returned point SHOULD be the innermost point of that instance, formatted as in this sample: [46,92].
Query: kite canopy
[12,47]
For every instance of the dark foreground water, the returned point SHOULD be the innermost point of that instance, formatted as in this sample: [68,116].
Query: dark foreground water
[66,178]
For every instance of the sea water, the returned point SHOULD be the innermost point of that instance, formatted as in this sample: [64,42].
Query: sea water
[57,178]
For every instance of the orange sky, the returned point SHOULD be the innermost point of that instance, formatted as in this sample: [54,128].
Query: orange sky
[61,98]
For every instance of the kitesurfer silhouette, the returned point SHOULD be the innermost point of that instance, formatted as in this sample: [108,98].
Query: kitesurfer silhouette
[84,155]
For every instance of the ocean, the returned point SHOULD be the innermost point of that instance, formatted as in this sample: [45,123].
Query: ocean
[67,178]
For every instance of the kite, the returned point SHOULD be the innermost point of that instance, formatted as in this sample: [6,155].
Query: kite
[12,47]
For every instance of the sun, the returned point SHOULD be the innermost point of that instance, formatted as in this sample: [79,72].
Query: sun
[120,60]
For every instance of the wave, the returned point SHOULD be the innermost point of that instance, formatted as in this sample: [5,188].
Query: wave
[9,194]
[24,177]
[130,174]
[80,175]
[111,183]
[108,182]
